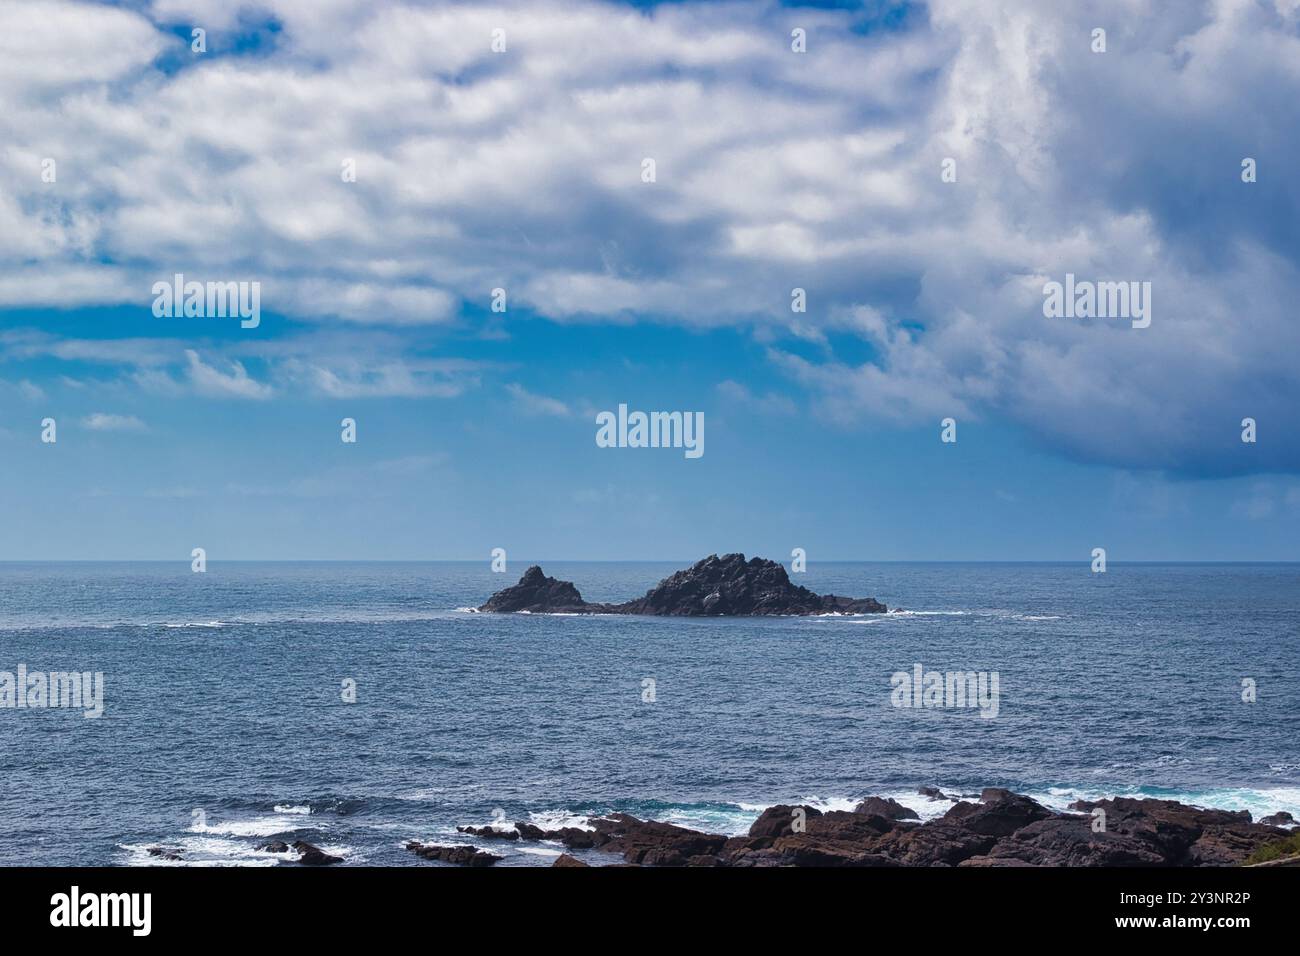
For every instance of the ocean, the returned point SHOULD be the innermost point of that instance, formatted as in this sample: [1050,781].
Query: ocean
[225,722]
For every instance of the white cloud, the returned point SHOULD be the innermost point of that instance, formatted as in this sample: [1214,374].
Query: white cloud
[233,383]
[768,403]
[105,422]
[343,365]
[48,46]
[337,377]
[775,170]
[532,404]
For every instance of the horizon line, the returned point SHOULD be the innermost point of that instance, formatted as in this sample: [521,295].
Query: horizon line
[531,561]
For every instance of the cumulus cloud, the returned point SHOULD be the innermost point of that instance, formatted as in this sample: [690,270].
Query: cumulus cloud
[775,170]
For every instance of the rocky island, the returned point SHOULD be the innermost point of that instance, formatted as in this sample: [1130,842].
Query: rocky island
[727,586]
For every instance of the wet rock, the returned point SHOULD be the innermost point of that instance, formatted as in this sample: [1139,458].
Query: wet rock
[1068,841]
[1003,814]
[566,861]
[886,807]
[313,855]
[578,839]
[993,794]
[274,846]
[490,833]
[575,838]
[936,843]
[780,820]
[1277,819]
[1183,835]
[837,838]
[460,855]
[650,843]
[165,853]
[1003,829]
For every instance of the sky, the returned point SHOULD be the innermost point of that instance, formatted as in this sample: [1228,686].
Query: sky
[920,171]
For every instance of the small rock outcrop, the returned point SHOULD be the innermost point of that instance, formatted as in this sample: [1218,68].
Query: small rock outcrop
[460,855]
[727,586]
[489,833]
[886,807]
[313,855]
[537,594]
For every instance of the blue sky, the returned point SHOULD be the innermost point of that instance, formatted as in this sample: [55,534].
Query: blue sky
[774,170]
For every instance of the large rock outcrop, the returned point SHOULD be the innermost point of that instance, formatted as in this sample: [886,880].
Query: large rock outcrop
[727,586]
[1002,829]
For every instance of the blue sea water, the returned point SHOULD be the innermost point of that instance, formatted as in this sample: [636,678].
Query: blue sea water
[224,722]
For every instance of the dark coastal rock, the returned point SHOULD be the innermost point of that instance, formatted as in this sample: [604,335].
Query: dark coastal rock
[937,843]
[165,853]
[779,820]
[490,833]
[1002,813]
[639,841]
[528,831]
[837,838]
[1181,835]
[994,794]
[1277,819]
[539,594]
[724,586]
[1068,841]
[1003,829]
[274,846]
[650,843]
[564,860]
[314,855]
[575,838]
[730,585]
[886,807]
[934,793]
[460,855]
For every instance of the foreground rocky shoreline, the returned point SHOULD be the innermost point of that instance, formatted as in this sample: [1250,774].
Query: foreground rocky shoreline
[997,828]
[727,586]
[1000,829]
